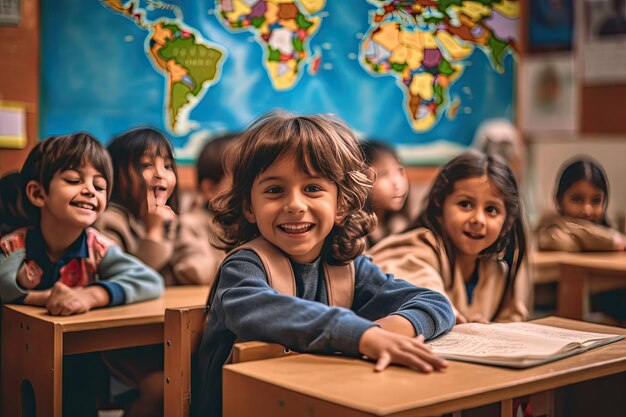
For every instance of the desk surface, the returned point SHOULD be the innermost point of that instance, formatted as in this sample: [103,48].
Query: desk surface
[398,390]
[125,315]
[605,260]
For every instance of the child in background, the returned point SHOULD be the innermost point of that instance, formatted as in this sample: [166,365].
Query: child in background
[582,197]
[298,191]
[389,193]
[142,216]
[468,242]
[12,214]
[195,258]
[142,219]
[62,263]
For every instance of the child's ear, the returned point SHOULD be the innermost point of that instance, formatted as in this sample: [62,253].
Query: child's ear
[248,213]
[36,194]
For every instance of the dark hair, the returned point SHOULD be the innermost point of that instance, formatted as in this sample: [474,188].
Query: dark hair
[60,153]
[12,215]
[583,168]
[319,143]
[210,163]
[511,245]
[372,149]
[126,151]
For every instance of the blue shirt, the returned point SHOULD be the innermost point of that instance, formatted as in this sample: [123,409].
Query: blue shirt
[246,308]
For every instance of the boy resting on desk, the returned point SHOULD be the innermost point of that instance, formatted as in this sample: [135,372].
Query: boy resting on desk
[60,262]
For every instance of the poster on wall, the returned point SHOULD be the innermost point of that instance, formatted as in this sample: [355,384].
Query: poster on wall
[603,41]
[549,93]
[420,75]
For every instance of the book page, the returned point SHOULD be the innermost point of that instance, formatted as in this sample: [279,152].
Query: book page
[510,340]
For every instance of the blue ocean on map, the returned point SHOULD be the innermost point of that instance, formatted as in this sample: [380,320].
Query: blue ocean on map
[96,77]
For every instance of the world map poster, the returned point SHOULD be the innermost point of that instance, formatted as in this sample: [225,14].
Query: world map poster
[419,74]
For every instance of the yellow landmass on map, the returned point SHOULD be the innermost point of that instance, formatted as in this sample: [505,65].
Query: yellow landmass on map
[422,85]
[429,41]
[508,8]
[239,8]
[474,10]
[285,80]
[313,6]
[425,123]
[387,36]
[454,48]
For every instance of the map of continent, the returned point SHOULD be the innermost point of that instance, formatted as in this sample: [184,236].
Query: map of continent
[424,45]
[283,28]
[190,63]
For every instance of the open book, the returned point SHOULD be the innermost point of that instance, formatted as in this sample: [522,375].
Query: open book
[515,345]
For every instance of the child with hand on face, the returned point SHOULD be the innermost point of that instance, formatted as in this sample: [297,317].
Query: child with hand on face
[142,219]
[142,216]
[390,190]
[468,242]
[582,197]
[299,188]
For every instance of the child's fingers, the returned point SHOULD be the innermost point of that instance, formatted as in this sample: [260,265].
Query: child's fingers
[383,362]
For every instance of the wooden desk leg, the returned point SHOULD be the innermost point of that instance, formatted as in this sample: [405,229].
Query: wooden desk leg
[573,296]
[506,408]
[32,350]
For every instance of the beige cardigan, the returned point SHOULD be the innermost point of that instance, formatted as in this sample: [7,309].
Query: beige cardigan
[130,234]
[560,233]
[419,258]
[195,259]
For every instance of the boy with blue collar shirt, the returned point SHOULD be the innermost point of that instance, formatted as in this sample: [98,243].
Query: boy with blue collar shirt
[61,263]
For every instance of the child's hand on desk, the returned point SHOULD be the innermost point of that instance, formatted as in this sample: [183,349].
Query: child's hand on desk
[65,300]
[387,348]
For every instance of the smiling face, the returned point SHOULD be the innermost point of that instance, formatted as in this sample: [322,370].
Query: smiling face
[392,185]
[293,210]
[583,200]
[473,216]
[158,173]
[75,197]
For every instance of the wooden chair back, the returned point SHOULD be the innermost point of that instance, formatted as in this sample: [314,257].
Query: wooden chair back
[182,334]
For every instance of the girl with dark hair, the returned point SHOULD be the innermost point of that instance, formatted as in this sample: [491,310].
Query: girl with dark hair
[388,199]
[581,198]
[468,242]
[297,200]
[143,212]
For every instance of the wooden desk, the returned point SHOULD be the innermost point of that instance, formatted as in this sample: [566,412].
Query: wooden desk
[578,275]
[34,342]
[313,385]
[582,272]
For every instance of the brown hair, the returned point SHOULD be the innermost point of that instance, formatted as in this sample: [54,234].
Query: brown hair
[60,153]
[322,144]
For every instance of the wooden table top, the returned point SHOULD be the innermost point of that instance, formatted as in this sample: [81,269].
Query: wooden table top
[124,315]
[353,383]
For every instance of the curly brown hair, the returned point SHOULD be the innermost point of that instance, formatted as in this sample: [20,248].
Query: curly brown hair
[321,144]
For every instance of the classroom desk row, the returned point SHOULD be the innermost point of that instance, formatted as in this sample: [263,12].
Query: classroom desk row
[577,275]
[34,343]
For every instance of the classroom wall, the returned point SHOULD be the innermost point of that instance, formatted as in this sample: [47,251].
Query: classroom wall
[19,76]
